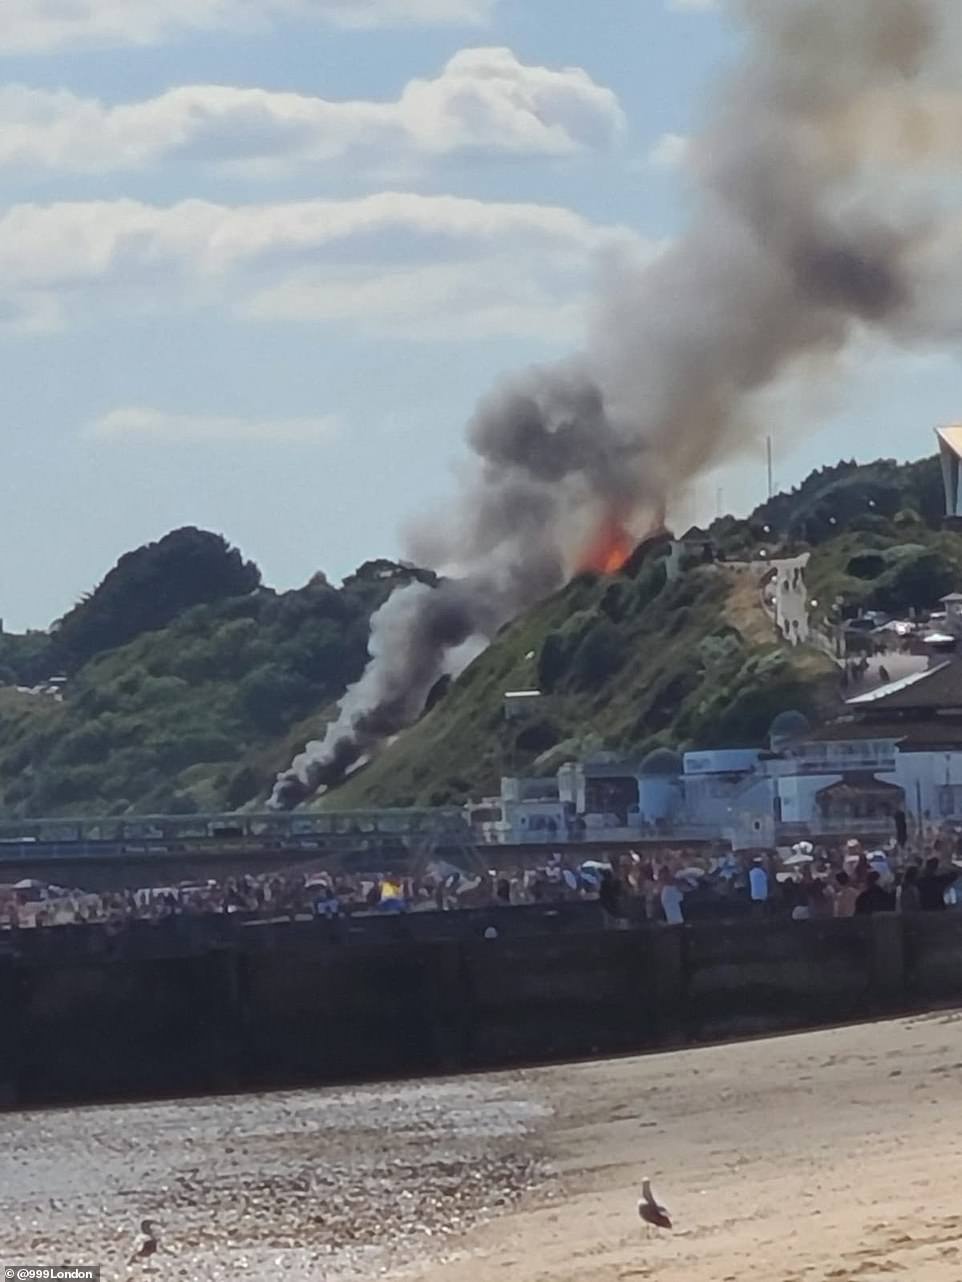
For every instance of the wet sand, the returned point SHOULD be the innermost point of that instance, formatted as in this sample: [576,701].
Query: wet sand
[333,1184]
[825,1157]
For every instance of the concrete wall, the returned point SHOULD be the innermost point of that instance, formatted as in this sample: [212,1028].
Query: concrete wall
[206,1006]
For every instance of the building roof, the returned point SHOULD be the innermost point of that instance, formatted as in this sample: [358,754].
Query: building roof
[951,438]
[857,783]
[953,596]
[935,689]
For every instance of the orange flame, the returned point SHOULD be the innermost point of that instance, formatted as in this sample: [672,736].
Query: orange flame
[609,550]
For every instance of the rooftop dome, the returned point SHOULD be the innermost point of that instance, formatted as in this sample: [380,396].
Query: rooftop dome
[662,762]
[789,726]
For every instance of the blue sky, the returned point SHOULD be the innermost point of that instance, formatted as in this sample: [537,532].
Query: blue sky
[260,258]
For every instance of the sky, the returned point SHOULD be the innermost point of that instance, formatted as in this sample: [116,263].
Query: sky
[260,258]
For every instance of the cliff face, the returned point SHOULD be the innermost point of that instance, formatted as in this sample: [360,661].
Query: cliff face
[199,712]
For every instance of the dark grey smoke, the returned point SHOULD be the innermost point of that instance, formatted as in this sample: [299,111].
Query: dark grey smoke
[799,240]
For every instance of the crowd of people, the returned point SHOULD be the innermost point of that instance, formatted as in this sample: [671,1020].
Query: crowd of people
[673,887]
[270,896]
[848,881]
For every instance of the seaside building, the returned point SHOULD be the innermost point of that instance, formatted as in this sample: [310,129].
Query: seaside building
[890,765]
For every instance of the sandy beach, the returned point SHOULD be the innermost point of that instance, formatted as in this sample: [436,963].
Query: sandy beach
[817,1158]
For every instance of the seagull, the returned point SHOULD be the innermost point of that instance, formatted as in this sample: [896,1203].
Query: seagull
[655,1216]
[149,1243]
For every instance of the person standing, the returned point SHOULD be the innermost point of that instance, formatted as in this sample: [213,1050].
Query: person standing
[907,898]
[672,899]
[846,896]
[932,886]
[612,897]
[874,899]
[758,888]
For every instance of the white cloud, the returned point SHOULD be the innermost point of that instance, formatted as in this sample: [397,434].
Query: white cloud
[39,26]
[483,99]
[693,6]
[671,151]
[142,423]
[492,296]
[392,261]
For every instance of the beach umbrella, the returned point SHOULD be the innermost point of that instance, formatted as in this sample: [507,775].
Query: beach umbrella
[29,883]
[796,861]
[691,874]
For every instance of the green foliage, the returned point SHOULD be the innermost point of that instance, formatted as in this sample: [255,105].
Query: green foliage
[538,736]
[616,601]
[191,685]
[244,785]
[834,500]
[148,588]
[27,659]
[271,697]
[196,713]
[867,565]
[918,581]
[552,662]
[649,585]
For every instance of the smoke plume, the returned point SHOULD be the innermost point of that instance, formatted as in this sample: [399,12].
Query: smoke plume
[810,225]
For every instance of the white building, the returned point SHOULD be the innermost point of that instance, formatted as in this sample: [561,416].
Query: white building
[892,763]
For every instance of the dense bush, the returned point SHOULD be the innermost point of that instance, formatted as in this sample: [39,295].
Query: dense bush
[148,588]
[172,719]
[26,660]
[599,655]
[915,582]
[552,662]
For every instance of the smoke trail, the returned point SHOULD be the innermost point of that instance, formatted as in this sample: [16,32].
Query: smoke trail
[800,238]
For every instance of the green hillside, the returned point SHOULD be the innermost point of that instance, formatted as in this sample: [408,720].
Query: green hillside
[630,663]
[186,683]
[626,665]
[173,702]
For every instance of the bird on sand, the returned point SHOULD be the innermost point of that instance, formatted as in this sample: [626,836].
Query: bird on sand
[655,1216]
[149,1243]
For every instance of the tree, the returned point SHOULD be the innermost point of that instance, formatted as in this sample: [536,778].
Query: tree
[552,661]
[601,652]
[918,581]
[149,587]
[270,697]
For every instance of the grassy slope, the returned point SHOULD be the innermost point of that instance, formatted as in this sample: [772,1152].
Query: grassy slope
[627,664]
[698,664]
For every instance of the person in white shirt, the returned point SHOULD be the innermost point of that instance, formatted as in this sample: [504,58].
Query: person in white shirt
[671,900]
[758,887]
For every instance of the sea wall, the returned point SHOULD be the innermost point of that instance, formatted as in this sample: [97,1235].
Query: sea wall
[206,1005]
